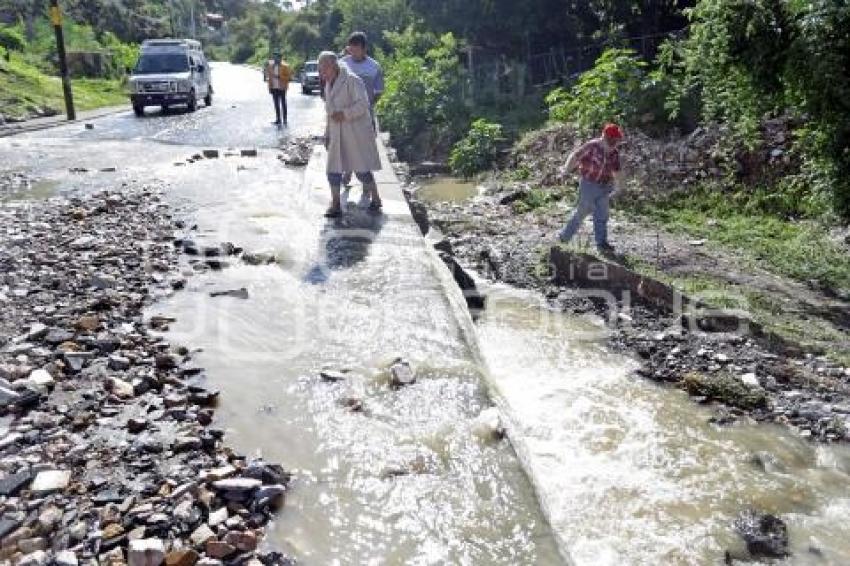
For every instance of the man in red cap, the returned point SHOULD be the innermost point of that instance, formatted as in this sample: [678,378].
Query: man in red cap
[597,162]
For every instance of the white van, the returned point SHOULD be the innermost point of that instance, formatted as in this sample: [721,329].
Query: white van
[170,71]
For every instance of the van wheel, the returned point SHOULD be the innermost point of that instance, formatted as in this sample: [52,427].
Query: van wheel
[165,108]
[305,90]
[138,110]
[192,105]
[208,97]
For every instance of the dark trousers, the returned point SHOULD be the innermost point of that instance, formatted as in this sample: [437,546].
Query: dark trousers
[279,100]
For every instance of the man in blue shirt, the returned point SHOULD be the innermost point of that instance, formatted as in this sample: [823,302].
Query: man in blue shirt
[369,71]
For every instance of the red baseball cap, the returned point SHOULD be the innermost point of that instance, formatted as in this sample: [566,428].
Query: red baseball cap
[612,131]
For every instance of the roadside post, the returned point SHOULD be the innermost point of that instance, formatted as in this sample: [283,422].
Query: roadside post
[56,20]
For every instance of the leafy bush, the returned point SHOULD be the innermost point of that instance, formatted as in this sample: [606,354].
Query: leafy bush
[421,106]
[11,39]
[478,150]
[617,88]
[747,59]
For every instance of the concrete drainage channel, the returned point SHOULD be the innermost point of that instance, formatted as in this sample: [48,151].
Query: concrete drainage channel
[625,470]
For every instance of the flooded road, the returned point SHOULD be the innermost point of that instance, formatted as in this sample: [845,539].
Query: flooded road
[624,471]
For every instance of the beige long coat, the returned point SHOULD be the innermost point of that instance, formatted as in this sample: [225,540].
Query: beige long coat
[351,143]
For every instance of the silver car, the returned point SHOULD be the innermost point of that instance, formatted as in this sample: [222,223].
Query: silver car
[170,72]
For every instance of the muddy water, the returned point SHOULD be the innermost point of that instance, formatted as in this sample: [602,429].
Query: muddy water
[632,473]
[405,481]
[447,189]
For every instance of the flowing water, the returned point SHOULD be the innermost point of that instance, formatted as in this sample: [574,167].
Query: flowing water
[632,473]
[408,480]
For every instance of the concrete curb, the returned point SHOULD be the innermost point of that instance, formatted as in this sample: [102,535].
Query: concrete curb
[38,124]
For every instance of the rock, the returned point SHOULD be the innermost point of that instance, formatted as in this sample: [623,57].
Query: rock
[65,558]
[41,378]
[121,388]
[488,424]
[118,363]
[331,375]
[210,153]
[136,425]
[269,496]
[235,293]
[766,535]
[217,474]
[8,397]
[165,362]
[201,535]
[237,488]
[266,473]
[243,541]
[218,517]
[36,332]
[30,545]
[112,530]
[83,243]
[183,557]
[58,336]
[49,518]
[401,374]
[725,388]
[750,380]
[248,153]
[146,552]
[258,258]
[7,526]
[87,323]
[50,481]
[11,484]
[38,558]
[219,549]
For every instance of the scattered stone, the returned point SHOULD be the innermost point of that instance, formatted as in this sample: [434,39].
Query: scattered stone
[218,517]
[182,557]
[243,541]
[401,374]
[258,258]
[201,535]
[235,293]
[65,558]
[219,549]
[11,484]
[331,376]
[146,552]
[41,378]
[50,481]
[211,153]
[248,153]
[766,535]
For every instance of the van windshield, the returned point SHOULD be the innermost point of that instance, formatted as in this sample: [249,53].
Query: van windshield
[154,63]
[311,67]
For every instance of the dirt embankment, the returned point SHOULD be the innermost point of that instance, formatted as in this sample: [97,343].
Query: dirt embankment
[509,235]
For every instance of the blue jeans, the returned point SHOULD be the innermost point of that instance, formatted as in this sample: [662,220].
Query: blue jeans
[592,199]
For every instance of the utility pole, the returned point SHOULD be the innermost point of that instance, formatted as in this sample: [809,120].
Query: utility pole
[192,16]
[56,20]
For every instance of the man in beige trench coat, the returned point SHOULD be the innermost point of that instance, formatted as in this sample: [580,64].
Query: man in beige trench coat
[350,136]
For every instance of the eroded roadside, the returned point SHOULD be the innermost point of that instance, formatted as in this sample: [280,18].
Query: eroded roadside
[107,446]
[756,373]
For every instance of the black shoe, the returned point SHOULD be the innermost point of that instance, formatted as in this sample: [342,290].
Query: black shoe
[333,212]
[605,249]
[276,123]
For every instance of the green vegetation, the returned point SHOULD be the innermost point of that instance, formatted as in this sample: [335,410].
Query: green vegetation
[740,221]
[618,88]
[26,91]
[478,150]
